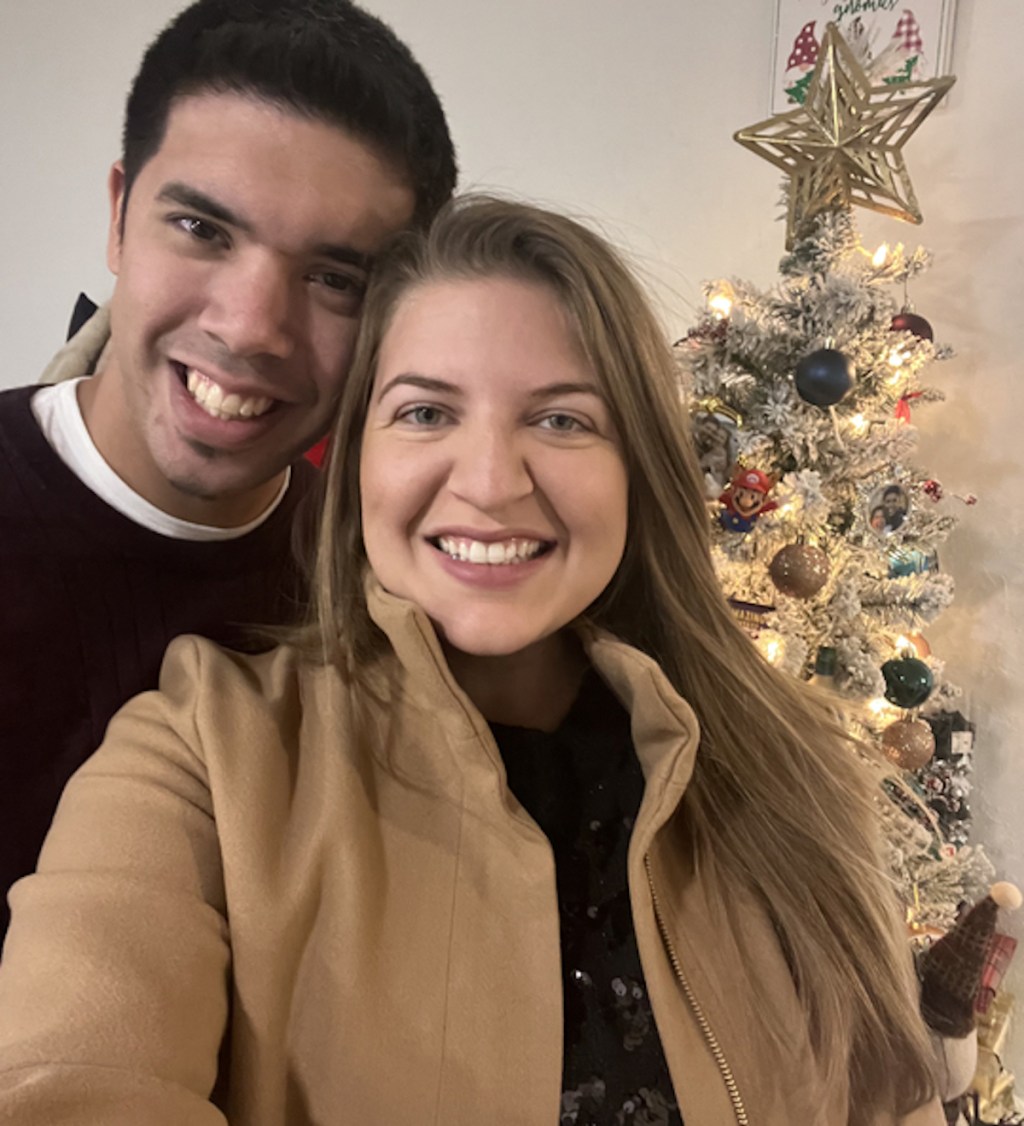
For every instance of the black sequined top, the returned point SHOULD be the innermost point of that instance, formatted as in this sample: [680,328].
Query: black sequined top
[582,784]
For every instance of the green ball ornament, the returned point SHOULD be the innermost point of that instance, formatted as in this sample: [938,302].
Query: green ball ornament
[908,681]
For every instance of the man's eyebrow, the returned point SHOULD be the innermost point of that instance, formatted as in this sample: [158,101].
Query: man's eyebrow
[423,382]
[185,196]
[343,255]
[195,200]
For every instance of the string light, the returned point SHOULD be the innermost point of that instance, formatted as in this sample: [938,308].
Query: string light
[878,259]
[878,705]
[720,305]
[859,424]
[721,300]
[917,644]
[771,645]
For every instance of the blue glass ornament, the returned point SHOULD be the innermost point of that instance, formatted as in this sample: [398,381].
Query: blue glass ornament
[824,377]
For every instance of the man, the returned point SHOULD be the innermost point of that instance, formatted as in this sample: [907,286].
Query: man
[271,149]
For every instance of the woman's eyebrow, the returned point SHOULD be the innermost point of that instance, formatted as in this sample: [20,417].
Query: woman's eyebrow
[552,389]
[423,382]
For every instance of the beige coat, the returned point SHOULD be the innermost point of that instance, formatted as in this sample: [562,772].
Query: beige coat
[354,897]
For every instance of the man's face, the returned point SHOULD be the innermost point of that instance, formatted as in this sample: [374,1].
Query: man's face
[240,273]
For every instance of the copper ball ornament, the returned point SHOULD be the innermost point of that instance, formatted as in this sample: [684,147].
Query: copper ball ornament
[908,743]
[799,570]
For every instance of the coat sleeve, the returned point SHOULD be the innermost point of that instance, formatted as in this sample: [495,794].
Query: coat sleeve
[114,977]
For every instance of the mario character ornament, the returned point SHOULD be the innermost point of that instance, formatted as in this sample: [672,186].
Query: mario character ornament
[745,499]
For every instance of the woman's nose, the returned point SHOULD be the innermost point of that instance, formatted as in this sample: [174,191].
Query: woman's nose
[489,469]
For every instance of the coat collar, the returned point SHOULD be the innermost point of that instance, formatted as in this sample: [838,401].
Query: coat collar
[664,728]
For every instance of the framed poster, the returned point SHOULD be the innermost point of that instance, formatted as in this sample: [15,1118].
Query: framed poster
[892,42]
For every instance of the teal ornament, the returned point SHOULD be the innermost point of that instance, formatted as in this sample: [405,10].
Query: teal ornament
[911,561]
[908,681]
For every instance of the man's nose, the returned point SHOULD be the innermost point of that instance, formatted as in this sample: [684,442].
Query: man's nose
[489,469]
[249,308]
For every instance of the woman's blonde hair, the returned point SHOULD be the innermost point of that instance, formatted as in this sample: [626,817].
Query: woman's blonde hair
[778,799]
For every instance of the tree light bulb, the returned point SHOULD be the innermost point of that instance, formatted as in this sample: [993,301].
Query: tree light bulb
[859,423]
[897,358]
[880,255]
[772,651]
[720,305]
[878,705]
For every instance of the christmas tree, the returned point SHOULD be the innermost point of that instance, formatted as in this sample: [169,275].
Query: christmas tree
[827,535]
[805,399]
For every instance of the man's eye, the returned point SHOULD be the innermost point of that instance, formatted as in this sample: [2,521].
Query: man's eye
[198,229]
[344,283]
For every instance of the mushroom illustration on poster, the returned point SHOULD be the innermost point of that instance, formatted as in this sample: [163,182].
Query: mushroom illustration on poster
[892,42]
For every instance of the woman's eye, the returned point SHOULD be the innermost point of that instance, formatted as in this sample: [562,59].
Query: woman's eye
[422,416]
[562,423]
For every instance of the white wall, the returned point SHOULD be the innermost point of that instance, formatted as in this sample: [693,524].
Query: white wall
[624,112]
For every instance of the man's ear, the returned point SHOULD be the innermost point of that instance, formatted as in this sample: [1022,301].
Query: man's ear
[115,190]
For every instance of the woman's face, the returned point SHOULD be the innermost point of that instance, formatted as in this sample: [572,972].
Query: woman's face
[493,487]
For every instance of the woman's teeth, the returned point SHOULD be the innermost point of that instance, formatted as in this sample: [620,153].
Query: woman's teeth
[493,553]
[210,396]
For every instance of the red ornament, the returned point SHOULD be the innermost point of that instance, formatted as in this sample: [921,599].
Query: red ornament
[902,411]
[318,454]
[933,489]
[907,321]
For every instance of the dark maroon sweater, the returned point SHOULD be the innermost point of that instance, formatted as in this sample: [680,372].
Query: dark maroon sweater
[88,602]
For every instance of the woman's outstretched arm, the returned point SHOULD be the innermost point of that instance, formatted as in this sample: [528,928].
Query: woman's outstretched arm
[114,978]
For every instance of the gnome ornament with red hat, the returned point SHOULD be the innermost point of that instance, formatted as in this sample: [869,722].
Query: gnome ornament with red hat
[800,64]
[745,499]
[952,971]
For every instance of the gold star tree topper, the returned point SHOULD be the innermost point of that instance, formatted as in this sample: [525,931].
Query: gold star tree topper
[843,145]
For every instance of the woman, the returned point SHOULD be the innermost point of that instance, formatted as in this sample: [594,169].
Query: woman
[314,862]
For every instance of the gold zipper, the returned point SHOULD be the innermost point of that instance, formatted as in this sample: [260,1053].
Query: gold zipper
[739,1110]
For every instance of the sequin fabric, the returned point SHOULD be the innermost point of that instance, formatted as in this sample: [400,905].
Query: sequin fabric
[582,784]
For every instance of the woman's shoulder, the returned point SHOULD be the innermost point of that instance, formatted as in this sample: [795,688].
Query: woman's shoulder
[208,693]
[195,665]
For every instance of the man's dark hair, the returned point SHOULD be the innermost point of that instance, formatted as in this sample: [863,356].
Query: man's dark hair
[325,59]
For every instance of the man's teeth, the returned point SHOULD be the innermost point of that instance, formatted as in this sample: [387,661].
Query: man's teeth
[493,553]
[210,396]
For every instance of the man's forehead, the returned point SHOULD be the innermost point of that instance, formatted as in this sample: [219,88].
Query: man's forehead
[252,163]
